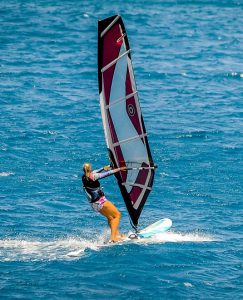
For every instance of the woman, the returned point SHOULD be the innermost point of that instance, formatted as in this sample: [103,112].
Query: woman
[97,198]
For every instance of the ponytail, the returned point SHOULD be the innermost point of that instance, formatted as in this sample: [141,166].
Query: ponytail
[86,168]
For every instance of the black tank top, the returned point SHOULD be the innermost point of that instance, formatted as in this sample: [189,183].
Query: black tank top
[92,189]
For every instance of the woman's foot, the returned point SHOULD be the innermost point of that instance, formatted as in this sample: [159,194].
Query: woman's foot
[116,239]
[121,235]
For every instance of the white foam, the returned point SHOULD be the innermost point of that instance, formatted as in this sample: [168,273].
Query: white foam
[75,247]
[188,284]
[175,237]
[163,174]
[5,174]
[188,237]
[61,249]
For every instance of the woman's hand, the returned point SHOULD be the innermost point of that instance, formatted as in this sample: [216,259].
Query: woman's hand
[123,168]
[107,168]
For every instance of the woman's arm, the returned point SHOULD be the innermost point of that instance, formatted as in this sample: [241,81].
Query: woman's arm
[99,170]
[105,168]
[95,176]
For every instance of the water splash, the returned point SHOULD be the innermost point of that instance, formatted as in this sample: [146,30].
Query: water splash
[175,237]
[61,249]
[75,247]
[178,237]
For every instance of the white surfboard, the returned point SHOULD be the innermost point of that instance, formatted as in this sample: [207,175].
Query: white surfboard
[150,231]
[158,227]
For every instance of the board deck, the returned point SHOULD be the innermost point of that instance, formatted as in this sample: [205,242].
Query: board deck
[152,230]
[156,228]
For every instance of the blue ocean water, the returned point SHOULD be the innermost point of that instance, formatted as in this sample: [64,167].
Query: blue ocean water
[187,58]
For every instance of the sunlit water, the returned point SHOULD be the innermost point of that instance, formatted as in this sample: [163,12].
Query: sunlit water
[187,58]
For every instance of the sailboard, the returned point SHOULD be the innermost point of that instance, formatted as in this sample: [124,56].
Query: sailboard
[124,128]
[149,233]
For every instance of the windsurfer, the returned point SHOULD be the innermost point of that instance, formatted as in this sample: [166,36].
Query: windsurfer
[97,198]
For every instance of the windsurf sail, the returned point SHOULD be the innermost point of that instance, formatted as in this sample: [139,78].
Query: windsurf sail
[125,133]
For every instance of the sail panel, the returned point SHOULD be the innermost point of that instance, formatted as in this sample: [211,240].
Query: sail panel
[124,128]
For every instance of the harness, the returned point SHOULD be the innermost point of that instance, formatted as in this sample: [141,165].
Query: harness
[92,189]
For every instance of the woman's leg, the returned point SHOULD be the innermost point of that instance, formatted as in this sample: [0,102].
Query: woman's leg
[113,215]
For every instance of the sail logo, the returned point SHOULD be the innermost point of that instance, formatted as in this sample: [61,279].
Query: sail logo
[131,110]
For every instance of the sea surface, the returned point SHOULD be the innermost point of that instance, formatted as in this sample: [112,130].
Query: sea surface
[188,64]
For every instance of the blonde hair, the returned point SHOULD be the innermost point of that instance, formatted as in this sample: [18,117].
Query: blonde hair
[86,167]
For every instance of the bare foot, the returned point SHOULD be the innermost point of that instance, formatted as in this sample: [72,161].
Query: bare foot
[121,235]
[116,239]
